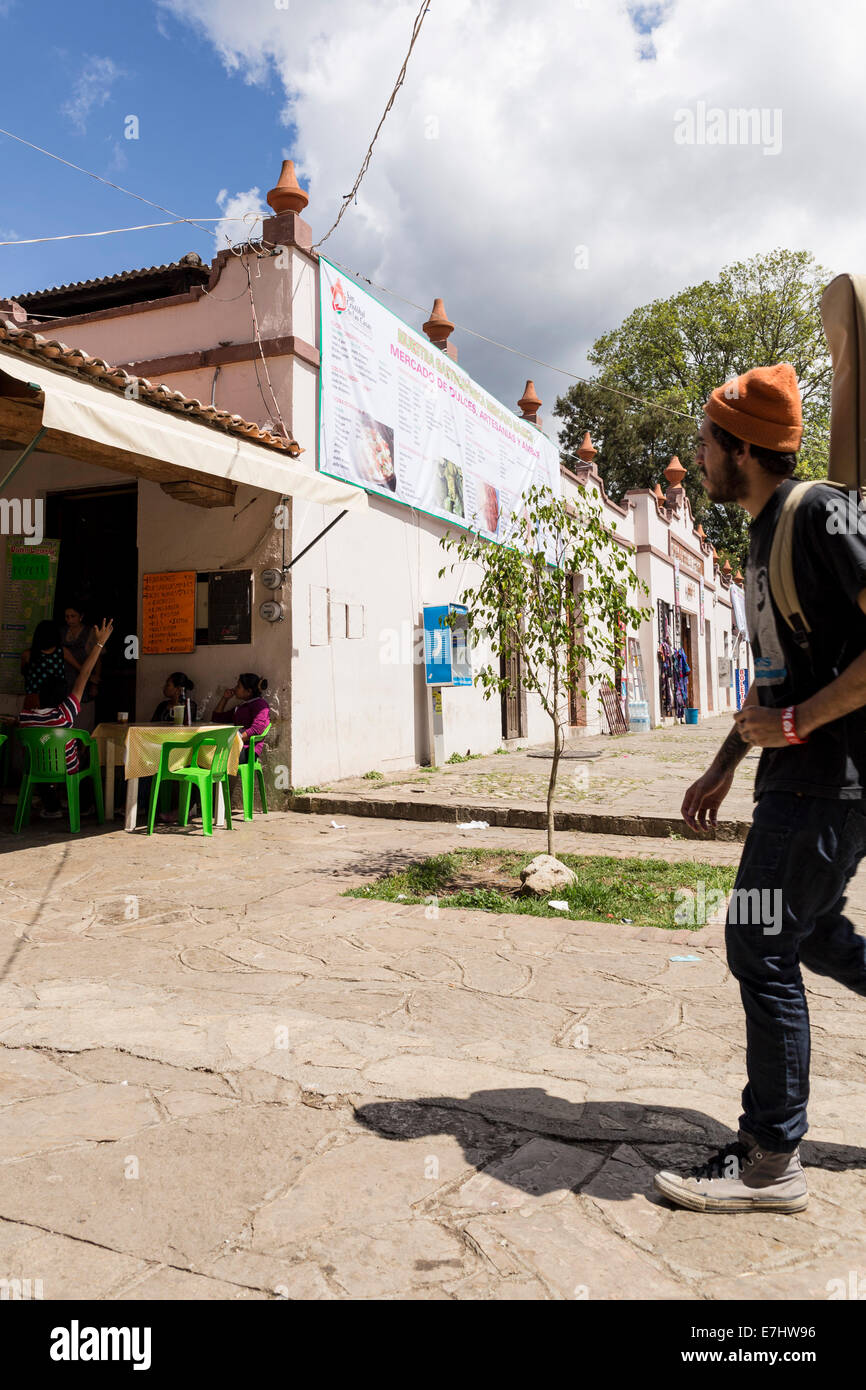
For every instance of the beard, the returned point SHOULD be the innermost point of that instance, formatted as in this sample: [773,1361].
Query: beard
[727,484]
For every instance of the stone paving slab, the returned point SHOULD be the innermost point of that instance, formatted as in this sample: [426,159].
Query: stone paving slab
[220,1079]
[632,784]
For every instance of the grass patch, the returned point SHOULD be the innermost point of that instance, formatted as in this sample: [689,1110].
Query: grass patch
[305,791]
[646,892]
[374,776]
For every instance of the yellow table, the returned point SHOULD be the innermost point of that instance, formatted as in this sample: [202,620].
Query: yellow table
[141,746]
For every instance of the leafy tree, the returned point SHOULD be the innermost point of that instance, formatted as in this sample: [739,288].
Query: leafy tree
[674,352]
[525,602]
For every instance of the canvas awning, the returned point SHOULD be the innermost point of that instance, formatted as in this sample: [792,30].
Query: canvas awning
[126,429]
[843,312]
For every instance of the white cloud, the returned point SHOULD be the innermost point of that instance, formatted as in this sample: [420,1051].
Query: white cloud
[118,161]
[92,88]
[242,216]
[523,134]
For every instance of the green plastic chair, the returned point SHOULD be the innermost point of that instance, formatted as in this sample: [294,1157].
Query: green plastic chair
[248,772]
[4,758]
[45,762]
[190,774]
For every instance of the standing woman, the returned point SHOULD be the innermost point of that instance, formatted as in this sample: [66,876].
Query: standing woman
[252,713]
[78,641]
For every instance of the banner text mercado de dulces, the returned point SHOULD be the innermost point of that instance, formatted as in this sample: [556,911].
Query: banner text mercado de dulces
[400,418]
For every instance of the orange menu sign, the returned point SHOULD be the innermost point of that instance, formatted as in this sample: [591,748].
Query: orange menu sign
[168,612]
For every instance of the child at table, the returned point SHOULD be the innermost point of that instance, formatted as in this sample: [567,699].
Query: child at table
[252,713]
[175,683]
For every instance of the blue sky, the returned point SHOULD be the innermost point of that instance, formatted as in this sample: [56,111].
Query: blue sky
[200,131]
[533,171]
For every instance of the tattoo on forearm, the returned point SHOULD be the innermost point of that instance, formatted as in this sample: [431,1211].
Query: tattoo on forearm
[732,751]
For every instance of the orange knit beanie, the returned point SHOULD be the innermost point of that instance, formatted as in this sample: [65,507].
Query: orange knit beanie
[761,407]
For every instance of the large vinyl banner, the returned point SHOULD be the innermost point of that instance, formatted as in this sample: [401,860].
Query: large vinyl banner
[400,418]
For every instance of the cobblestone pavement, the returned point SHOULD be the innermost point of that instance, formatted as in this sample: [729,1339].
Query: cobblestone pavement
[635,774]
[220,1079]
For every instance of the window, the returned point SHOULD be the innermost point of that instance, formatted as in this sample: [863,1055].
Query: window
[223,608]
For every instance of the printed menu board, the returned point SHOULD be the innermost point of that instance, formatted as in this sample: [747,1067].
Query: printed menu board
[168,612]
[400,418]
[28,579]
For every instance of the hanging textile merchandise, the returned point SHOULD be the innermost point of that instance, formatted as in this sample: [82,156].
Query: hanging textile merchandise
[681,683]
[665,660]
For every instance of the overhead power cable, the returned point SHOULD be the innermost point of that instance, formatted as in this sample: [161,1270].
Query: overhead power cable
[416,30]
[111,231]
[107,182]
[189,221]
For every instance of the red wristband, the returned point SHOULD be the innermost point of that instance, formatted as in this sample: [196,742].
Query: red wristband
[789,726]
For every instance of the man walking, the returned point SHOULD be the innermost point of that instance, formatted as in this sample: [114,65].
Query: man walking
[806,712]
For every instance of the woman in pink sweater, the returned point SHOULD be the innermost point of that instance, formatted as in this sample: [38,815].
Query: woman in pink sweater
[252,712]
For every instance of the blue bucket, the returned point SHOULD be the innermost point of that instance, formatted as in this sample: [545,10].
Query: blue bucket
[691,716]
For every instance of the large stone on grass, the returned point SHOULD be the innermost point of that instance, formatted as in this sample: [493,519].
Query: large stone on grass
[544,875]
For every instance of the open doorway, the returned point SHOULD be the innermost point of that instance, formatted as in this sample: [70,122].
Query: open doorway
[514,698]
[576,667]
[688,642]
[98,570]
[711,674]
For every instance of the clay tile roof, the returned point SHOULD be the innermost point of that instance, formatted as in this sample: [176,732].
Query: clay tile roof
[191,261]
[57,355]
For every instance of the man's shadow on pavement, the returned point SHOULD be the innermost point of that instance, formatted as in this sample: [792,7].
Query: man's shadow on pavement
[486,1121]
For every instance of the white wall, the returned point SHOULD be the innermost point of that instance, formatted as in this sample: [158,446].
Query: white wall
[361,704]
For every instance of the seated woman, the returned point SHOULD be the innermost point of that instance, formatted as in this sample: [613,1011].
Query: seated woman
[42,661]
[252,712]
[57,710]
[176,682]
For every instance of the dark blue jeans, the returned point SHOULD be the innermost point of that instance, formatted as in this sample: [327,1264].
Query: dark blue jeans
[786,910]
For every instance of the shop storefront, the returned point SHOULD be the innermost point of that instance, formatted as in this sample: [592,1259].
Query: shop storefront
[130,501]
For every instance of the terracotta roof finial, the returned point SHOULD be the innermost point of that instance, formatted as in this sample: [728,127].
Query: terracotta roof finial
[657,493]
[675,472]
[439,327]
[529,402]
[587,450]
[287,195]
[738,578]
[701,533]
[726,569]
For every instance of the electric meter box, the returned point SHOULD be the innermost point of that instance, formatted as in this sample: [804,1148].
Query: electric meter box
[446,646]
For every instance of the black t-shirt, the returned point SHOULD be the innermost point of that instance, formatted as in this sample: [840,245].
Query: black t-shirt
[829,559]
